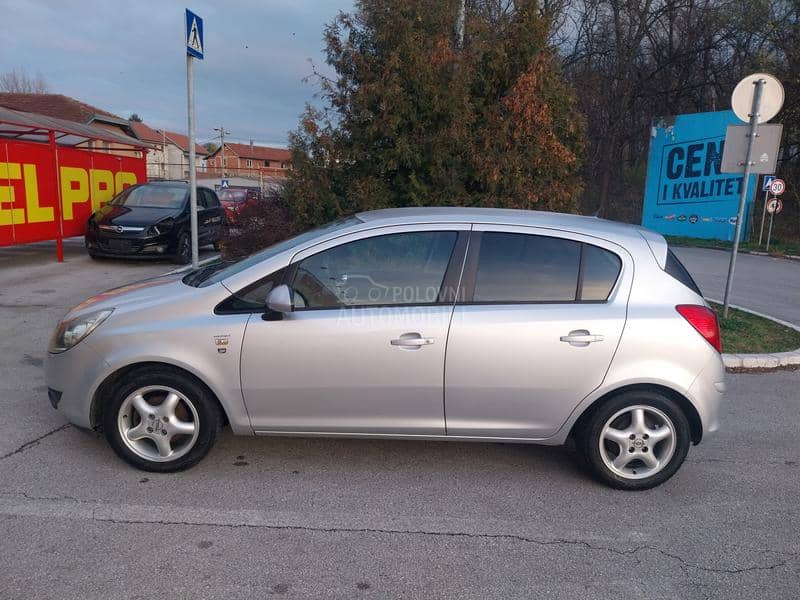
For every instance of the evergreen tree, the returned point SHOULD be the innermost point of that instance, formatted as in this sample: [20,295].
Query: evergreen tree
[415,117]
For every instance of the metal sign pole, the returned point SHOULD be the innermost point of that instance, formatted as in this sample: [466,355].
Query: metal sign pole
[743,195]
[192,172]
[763,217]
[769,233]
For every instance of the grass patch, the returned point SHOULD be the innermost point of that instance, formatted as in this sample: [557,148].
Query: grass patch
[743,333]
[776,247]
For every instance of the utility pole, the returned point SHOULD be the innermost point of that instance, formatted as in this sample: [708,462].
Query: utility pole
[250,172]
[222,134]
[163,154]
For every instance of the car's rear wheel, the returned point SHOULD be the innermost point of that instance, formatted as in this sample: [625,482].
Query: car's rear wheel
[636,440]
[183,250]
[161,420]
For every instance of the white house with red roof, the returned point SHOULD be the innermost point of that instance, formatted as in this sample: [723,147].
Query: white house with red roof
[169,154]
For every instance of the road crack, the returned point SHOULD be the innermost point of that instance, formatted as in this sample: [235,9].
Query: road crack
[34,442]
[100,512]
[479,536]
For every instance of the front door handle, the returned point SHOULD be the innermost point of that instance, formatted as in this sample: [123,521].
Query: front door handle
[411,341]
[580,338]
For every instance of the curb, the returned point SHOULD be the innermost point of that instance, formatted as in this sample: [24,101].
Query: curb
[761,362]
[752,252]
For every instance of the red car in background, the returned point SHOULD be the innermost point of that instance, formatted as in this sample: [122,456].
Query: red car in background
[234,200]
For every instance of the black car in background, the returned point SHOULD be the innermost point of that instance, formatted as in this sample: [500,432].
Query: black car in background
[151,220]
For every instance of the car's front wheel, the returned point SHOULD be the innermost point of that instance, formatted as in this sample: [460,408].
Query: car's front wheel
[161,420]
[183,250]
[636,440]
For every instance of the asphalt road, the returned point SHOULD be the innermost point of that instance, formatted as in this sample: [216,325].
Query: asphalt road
[320,518]
[762,283]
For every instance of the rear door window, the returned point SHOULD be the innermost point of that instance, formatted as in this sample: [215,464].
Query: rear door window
[514,267]
[202,198]
[519,268]
[211,199]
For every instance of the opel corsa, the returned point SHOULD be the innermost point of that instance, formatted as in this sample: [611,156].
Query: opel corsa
[427,323]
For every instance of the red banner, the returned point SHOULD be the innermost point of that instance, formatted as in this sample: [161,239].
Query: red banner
[32,180]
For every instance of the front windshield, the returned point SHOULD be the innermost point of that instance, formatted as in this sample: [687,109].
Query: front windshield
[233,196]
[152,196]
[216,272]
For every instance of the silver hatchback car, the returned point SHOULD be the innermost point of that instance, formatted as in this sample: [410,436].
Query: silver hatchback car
[423,323]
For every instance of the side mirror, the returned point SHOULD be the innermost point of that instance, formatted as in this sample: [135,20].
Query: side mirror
[279,300]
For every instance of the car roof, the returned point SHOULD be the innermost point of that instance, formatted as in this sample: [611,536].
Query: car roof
[632,238]
[624,234]
[500,216]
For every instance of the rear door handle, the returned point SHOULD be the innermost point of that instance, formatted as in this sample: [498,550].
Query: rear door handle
[411,341]
[580,338]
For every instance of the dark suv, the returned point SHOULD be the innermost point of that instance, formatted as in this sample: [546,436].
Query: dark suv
[151,220]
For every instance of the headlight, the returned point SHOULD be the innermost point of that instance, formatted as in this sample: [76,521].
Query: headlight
[69,333]
[161,227]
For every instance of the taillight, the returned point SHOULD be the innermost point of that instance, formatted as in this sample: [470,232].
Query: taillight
[704,320]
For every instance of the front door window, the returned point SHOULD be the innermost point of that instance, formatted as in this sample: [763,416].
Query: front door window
[387,270]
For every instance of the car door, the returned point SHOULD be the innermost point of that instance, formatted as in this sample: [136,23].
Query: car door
[202,216]
[208,216]
[363,351]
[537,325]
[214,217]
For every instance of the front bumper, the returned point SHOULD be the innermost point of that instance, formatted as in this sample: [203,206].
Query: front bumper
[72,377]
[102,244]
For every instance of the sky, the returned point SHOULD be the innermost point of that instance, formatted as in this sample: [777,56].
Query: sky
[127,56]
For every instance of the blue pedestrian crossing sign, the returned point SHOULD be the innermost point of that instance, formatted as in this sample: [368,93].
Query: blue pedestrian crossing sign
[194,35]
[768,179]
[225,184]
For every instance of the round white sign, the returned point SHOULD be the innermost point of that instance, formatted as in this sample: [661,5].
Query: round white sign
[774,206]
[777,187]
[771,97]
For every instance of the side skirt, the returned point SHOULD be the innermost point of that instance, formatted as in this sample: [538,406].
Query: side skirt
[551,441]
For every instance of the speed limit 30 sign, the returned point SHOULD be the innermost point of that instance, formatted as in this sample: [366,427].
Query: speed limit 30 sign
[777,187]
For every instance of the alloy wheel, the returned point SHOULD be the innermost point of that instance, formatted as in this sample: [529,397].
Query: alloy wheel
[158,423]
[637,441]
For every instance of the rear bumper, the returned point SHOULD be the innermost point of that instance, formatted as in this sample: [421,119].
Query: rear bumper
[707,394]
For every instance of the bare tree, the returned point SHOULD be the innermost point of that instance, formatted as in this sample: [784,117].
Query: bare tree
[635,60]
[17,81]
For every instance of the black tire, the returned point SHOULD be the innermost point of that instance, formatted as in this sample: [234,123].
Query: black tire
[91,254]
[588,441]
[183,250]
[208,418]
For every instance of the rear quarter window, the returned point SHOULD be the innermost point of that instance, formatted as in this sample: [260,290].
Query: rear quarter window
[675,269]
[600,271]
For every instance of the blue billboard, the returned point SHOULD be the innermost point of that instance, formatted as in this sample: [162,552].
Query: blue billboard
[686,194]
